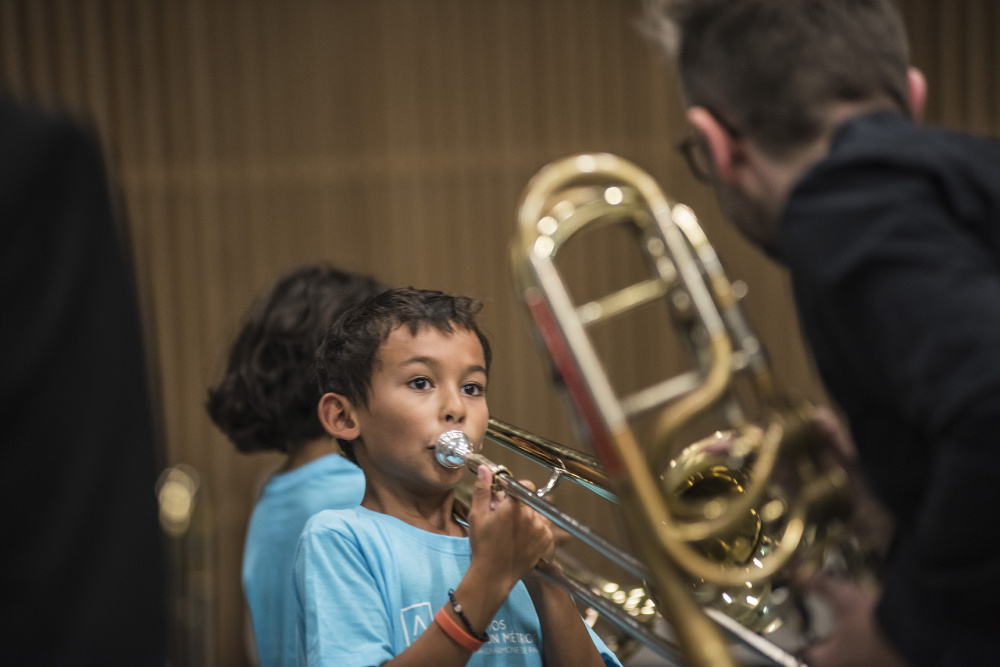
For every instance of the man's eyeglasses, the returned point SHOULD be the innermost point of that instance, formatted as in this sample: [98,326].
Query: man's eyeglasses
[695,152]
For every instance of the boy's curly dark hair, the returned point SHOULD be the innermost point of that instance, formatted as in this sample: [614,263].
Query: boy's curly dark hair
[268,397]
[347,356]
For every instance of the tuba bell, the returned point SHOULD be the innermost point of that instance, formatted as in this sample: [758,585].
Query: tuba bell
[758,500]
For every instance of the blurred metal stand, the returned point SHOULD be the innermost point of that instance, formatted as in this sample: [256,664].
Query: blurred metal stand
[186,519]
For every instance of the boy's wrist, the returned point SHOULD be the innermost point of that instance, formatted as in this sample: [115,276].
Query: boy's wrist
[484,578]
[481,597]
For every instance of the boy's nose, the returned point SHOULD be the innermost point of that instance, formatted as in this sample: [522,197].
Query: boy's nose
[453,408]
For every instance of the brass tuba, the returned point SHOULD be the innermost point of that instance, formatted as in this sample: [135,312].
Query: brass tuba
[757,500]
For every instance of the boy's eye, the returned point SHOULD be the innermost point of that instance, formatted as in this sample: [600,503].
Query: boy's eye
[474,389]
[419,383]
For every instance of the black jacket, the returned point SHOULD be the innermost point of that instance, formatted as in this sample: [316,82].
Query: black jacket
[893,242]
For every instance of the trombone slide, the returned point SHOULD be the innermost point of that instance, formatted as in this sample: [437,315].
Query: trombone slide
[454,450]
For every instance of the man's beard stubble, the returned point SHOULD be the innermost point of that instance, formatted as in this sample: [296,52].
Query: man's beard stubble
[751,217]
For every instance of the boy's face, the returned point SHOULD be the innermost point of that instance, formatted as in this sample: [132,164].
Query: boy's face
[422,386]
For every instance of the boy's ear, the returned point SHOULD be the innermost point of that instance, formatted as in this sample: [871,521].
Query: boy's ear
[725,151]
[338,417]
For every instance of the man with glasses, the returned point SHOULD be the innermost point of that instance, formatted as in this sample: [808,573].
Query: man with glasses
[805,123]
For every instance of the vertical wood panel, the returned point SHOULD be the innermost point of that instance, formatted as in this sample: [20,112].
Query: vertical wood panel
[94,66]
[12,47]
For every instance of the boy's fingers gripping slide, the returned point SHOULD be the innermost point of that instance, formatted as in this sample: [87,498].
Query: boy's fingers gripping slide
[481,492]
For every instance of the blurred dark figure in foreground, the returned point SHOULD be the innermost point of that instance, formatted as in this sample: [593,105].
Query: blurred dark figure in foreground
[82,574]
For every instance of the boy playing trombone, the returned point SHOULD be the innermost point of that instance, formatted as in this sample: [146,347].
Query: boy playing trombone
[400,580]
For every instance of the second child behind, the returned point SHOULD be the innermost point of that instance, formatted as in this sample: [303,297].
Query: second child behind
[266,401]
[400,580]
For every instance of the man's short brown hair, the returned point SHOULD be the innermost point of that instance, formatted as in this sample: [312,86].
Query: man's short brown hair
[772,67]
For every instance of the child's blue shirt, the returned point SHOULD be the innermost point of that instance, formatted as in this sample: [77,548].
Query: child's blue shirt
[287,502]
[369,584]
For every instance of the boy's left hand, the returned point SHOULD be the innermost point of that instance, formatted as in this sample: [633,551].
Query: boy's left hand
[557,533]
[507,537]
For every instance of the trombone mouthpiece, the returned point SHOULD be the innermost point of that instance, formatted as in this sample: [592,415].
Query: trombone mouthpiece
[452,448]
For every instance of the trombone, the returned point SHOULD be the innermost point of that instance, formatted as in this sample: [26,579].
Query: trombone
[454,450]
[760,501]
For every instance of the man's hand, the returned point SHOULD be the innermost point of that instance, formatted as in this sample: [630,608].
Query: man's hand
[856,640]
[871,523]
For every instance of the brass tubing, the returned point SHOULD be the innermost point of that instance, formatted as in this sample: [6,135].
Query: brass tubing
[700,637]
[576,466]
[595,190]
[514,489]
[666,649]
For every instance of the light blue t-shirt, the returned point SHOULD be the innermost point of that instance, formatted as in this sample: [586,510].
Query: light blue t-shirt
[369,584]
[287,502]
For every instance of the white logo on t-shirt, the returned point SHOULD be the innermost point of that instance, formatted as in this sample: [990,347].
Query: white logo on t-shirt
[415,620]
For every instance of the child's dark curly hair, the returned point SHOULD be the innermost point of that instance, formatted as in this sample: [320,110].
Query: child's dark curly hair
[268,398]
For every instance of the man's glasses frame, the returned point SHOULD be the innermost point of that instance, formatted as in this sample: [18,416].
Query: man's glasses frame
[696,153]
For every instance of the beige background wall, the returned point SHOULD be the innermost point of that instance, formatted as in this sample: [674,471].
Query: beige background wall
[386,136]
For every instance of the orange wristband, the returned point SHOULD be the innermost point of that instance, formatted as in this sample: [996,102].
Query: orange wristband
[456,632]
